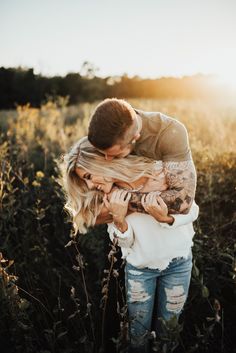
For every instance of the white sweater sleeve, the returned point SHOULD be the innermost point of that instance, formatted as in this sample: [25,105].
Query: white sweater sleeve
[183,219]
[126,239]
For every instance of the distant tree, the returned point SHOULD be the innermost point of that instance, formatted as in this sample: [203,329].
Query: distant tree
[21,85]
[88,70]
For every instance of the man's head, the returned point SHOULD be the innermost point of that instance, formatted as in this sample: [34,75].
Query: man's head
[114,128]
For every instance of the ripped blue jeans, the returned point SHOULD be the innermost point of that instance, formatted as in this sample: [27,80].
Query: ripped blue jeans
[167,289]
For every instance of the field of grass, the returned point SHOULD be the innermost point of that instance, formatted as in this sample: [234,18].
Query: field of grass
[70,299]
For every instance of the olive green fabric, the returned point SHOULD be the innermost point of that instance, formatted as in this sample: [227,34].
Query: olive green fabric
[162,138]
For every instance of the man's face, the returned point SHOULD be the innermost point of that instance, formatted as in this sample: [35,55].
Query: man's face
[117,151]
[125,146]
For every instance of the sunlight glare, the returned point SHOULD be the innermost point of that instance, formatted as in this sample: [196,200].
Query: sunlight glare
[228,78]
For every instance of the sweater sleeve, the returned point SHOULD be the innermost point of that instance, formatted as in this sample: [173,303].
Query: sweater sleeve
[174,143]
[126,239]
[183,219]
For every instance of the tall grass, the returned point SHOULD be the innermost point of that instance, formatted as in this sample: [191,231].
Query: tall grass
[65,293]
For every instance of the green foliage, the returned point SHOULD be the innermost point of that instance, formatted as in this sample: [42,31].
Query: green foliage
[66,294]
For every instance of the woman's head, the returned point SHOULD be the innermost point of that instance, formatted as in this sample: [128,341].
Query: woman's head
[126,169]
[87,176]
[82,204]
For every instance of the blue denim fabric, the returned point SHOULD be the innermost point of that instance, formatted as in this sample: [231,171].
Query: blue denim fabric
[167,289]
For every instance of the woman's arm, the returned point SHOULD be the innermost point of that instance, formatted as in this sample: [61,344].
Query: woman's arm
[120,228]
[183,219]
[125,240]
[135,205]
[118,207]
[104,216]
[157,208]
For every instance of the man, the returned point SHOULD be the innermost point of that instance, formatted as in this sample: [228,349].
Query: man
[117,129]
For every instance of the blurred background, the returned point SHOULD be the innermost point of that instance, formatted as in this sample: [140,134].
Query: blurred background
[94,49]
[58,60]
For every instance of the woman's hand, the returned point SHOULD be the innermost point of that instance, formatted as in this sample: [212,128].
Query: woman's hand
[156,207]
[118,207]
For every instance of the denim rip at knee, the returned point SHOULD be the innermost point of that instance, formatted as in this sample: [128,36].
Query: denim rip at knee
[169,287]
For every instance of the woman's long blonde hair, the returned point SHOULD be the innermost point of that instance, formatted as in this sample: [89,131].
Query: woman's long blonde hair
[83,204]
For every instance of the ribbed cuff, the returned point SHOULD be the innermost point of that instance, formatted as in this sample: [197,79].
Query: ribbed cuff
[121,235]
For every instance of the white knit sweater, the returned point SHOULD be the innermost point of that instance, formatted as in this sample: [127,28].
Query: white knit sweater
[148,243]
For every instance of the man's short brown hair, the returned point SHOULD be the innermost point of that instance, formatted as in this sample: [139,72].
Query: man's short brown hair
[109,122]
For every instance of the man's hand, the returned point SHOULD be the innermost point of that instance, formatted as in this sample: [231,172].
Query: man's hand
[118,207]
[156,207]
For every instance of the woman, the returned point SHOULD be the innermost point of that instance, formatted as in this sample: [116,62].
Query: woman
[156,245]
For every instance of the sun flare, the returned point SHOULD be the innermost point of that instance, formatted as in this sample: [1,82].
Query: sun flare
[228,78]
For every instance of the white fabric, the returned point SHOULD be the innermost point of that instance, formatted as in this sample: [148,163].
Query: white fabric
[148,243]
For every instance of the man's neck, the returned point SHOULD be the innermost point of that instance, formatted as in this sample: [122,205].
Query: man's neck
[139,123]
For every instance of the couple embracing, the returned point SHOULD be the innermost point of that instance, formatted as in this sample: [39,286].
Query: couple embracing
[134,171]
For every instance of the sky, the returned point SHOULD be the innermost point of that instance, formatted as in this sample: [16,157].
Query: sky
[149,38]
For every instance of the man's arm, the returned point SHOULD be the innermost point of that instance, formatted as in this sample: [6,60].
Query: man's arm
[180,175]
[181,181]
[179,168]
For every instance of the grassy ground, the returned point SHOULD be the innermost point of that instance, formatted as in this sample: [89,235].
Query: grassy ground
[57,304]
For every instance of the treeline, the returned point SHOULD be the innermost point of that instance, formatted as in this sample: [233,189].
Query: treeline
[21,86]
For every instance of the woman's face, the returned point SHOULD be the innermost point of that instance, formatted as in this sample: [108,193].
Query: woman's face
[94,181]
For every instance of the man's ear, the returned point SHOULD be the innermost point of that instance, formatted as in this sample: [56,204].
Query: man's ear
[136,136]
